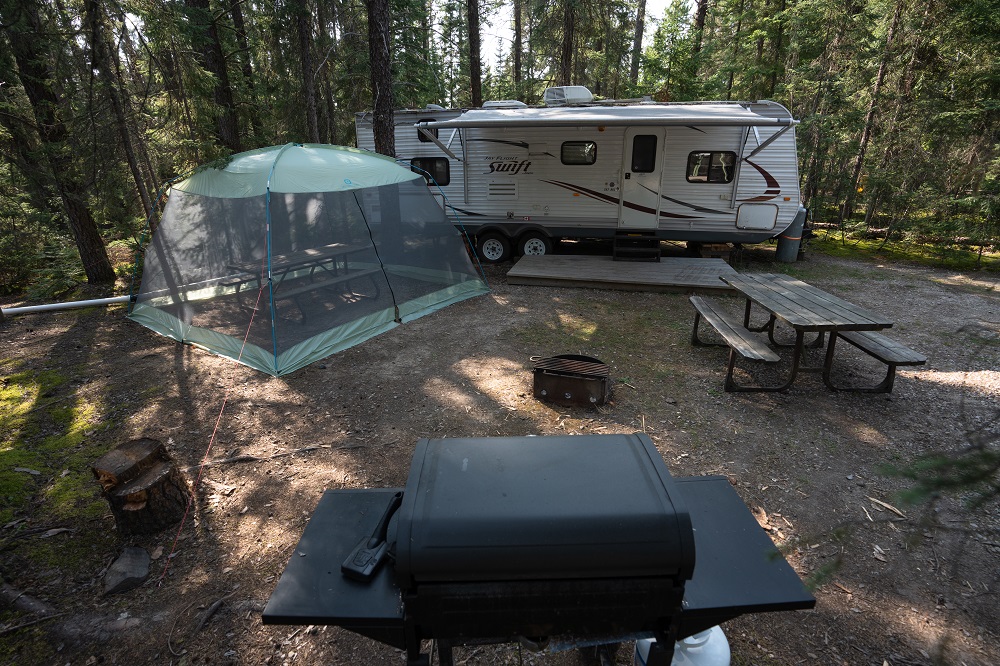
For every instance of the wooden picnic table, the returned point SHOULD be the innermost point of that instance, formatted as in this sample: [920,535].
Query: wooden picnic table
[310,269]
[327,257]
[806,309]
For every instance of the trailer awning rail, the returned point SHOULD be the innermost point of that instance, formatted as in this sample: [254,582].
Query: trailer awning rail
[701,115]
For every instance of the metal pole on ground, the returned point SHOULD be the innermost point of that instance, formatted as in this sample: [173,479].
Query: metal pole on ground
[28,309]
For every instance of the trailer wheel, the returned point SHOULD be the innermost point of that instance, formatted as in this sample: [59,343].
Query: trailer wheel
[534,243]
[494,247]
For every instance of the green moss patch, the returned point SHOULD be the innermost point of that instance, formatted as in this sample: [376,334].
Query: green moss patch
[42,454]
[939,255]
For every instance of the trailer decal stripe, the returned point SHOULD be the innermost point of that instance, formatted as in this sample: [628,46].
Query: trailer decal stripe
[773,186]
[584,191]
[700,209]
[466,212]
[612,200]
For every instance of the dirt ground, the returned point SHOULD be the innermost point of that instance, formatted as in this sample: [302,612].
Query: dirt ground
[915,587]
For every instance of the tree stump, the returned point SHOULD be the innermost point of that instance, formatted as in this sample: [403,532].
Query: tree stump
[146,492]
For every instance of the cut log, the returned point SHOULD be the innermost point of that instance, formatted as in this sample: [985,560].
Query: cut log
[146,492]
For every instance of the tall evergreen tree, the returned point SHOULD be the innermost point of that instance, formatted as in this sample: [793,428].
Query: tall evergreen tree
[34,45]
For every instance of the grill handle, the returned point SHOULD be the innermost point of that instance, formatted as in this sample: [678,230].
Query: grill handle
[366,557]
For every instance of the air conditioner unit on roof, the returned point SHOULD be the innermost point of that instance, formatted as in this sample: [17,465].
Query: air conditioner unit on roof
[564,95]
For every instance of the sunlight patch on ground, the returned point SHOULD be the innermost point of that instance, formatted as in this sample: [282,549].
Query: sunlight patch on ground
[967,280]
[959,379]
[500,379]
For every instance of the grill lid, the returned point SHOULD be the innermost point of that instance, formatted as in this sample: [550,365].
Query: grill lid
[545,508]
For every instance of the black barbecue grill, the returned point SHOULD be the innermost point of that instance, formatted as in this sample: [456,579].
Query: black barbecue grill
[579,539]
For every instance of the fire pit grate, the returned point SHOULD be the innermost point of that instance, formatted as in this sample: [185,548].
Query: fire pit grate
[572,380]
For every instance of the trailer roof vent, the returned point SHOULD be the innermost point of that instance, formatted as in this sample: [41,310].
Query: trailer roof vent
[504,104]
[563,95]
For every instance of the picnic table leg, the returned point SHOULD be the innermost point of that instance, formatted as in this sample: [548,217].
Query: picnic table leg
[885,386]
[241,301]
[768,327]
[698,342]
[732,387]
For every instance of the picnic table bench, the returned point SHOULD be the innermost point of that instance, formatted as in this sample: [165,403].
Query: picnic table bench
[880,347]
[740,340]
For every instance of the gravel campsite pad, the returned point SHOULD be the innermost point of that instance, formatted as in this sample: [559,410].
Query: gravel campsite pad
[897,584]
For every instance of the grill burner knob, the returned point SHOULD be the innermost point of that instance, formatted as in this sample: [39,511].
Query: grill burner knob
[544,392]
[568,395]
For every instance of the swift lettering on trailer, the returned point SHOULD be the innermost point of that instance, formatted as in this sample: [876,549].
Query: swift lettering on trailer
[508,165]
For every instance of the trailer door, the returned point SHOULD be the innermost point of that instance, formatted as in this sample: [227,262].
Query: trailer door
[642,164]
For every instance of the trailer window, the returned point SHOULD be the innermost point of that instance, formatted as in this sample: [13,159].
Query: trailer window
[437,168]
[714,167]
[579,152]
[644,153]
[420,135]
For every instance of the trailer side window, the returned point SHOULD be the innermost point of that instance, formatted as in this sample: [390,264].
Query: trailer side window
[434,131]
[437,168]
[579,152]
[714,167]
[644,153]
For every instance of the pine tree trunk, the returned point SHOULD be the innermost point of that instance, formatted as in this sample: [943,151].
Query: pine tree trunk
[381,76]
[518,46]
[640,27]
[326,44]
[209,48]
[246,66]
[700,14]
[569,34]
[475,59]
[736,51]
[100,52]
[303,26]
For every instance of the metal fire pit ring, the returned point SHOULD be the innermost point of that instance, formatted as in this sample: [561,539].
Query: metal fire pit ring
[572,380]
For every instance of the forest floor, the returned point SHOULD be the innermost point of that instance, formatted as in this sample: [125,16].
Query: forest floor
[914,586]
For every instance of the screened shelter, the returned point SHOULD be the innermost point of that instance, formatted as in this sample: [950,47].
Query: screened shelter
[286,255]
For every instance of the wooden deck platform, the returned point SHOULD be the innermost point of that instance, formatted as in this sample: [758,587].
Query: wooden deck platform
[683,274]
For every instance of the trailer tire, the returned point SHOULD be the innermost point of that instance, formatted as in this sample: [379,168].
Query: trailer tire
[534,243]
[494,247]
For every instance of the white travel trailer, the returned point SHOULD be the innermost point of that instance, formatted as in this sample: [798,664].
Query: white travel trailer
[519,178]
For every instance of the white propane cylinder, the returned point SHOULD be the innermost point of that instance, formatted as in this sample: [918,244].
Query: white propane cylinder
[706,648]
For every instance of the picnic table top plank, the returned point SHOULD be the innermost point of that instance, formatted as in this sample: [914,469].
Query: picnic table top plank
[804,306]
[289,260]
[832,303]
